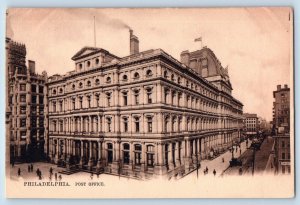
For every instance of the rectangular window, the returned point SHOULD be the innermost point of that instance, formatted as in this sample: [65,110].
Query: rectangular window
[150,126]
[33,88]
[283,155]
[22,98]
[125,99]
[125,125]
[41,100]
[22,87]
[23,122]
[22,109]
[41,89]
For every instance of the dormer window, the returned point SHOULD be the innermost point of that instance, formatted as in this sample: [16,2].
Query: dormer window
[73,87]
[108,80]
[54,92]
[97,81]
[97,61]
[60,90]
[136,75]
[88,64]
[149,73]
[125,78]
[80,66]
[172,77]
[166,74]
[80,85]
[88,83]
[179,80]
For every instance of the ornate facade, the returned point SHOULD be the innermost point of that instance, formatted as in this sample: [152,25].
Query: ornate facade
[143,115]
[24,105]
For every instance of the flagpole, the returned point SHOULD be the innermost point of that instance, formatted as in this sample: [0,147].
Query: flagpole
[94,32]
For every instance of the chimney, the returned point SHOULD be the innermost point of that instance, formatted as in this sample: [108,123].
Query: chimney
[285,86]
[134,43]
[31,66]
[278,87]
[185,57]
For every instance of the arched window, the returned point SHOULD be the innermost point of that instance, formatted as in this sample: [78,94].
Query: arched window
[136,75]
[97,61]
[108,80]
[88,64]
[80,66]
[109,152]
[73,87]
[88,83]
[166,74]
[149,73]
[137,124]
[125,78]
[150,155]
[179,80]
[126,155]
[60,90]
[137,154]
[108,119]
[97,81]
[172,77]
[54,91]
[80,85]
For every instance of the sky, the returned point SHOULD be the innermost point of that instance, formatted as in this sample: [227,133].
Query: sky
[255,43]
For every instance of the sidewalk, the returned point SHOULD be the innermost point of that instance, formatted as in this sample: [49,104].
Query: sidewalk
[216,163]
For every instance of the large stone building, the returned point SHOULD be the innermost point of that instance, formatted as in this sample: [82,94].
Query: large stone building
[251,123]
[281,127]
[141,115]
[24,105]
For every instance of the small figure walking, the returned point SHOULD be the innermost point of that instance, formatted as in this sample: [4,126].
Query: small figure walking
[240,171]
[38,172]
[214,172]
[51,170]
[206,169]
[59,177]
[55,176]
[223,159]
[19,172]
[91,176]
[98,175]
[29,168]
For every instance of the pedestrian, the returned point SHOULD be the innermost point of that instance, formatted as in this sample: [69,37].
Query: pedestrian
[12,162]
[223,159]
[50,177]
[206,169]
[240,171]
[214,172]
[29,168]
[91,176]
[59,177]
[19,172]
[38,172]
[98,175]
[55,175]
[51,171]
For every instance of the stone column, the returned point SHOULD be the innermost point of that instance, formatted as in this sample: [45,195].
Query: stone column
[81,154]
[90,163]
[99,156]
[170,157]
[177,155]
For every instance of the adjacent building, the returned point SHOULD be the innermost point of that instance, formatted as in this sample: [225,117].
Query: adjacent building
[251,124]
[25,103]
[281,128]
[143,115]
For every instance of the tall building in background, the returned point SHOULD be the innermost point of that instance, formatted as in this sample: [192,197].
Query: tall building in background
[281,129]
[24,105]
[251,124]
[141,115]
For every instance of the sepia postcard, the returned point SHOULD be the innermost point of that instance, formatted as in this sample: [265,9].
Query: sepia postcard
[149,103]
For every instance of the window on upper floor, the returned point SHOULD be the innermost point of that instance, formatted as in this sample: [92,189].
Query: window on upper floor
[136,97]
[149,123]
[97,81]
[125,78]
[125,99]
[108,80]
[97,61]
[136,75]
[149,95]
[149,73]
[80,85]
[166,74]
[137,124]
[88,83]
